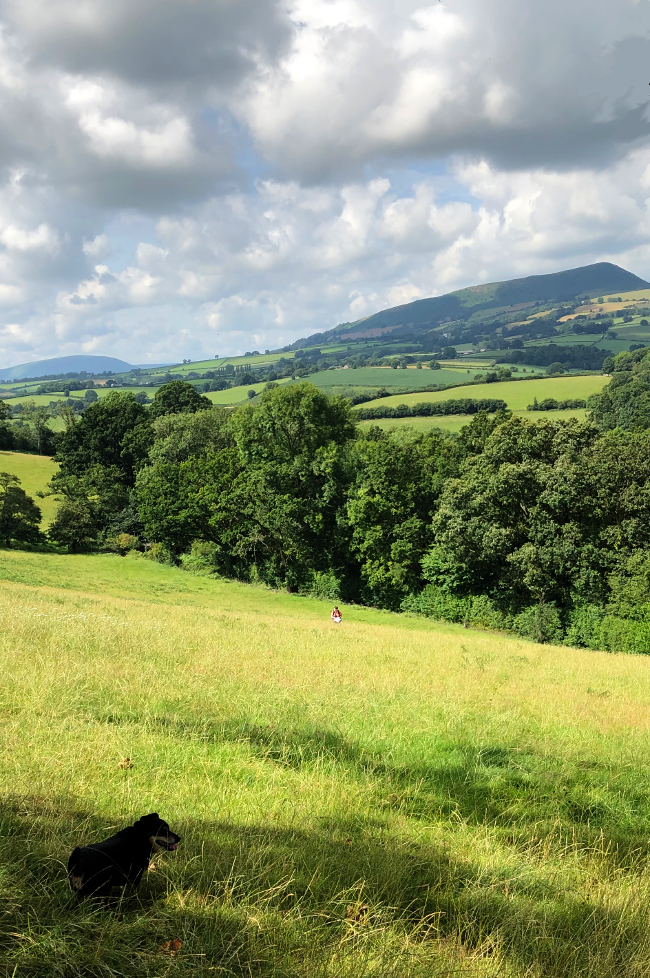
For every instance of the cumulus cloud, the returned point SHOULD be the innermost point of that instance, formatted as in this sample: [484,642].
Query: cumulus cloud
[524,84]
[184,176]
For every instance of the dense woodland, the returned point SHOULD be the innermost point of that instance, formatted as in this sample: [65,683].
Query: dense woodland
[541,527]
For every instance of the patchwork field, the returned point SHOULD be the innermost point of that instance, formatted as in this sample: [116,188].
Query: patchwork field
[385,798]
[34,472]
[517,394]
[235,395]
[454,422]
[386,377]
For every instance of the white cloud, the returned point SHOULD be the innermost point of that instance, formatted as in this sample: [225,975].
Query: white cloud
[178,174]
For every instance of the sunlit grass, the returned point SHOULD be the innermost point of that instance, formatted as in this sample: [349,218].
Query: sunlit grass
[385,798]
[517,394]
[454,422]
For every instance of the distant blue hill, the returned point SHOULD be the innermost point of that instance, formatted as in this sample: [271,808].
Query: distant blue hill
[64,365]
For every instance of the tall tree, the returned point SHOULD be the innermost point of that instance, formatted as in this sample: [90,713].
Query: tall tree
[390,507]
[19,515]
[114,431]
[178,397]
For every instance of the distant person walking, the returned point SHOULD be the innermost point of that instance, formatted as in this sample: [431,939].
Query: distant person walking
[336,616]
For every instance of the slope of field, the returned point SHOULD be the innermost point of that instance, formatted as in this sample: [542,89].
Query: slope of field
[517,394]
[388,797]
[34,472]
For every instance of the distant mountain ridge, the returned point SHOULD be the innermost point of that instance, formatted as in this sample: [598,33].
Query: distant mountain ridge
[63,365]
[424,314]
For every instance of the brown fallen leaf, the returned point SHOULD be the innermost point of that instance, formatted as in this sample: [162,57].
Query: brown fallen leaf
[348,842]
[125,764]
[171,947]
[356,912]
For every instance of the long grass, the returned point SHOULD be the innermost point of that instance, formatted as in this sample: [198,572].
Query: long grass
[385,798]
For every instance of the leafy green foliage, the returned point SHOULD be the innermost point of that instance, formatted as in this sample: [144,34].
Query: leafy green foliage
[178,397]
[390,507]
[427,409]
[575,357]
[551,404]
[75,525]
[114,431]
[625,402]
[19,515]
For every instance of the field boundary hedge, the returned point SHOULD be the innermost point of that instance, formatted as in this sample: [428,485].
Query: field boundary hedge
[463,405]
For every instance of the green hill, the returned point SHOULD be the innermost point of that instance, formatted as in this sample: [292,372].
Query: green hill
[424,314]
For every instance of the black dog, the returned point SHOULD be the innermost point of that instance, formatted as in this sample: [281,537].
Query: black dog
[121,860]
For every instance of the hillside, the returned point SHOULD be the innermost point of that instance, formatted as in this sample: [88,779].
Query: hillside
[385,797]
[62,365]
[424,314]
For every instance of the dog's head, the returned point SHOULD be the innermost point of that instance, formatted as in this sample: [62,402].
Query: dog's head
[160,835]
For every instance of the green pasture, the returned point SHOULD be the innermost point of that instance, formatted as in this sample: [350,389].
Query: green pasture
[34,472]
[633,332]
[388,798]
[454,422]
[517,394]
[45,399]
[235,395]
[389,378]
[200,366]
[584,339]
[640,295]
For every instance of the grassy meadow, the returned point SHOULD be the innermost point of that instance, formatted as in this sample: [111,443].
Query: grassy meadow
[34,472]
[454,422]
[386,377]
[236,395]
[388,797]
[517,394]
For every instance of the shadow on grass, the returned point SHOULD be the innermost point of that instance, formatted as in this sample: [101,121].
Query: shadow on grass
[516,791]
[268,900]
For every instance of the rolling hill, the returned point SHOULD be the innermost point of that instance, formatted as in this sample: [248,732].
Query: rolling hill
[64,365]
[425,314]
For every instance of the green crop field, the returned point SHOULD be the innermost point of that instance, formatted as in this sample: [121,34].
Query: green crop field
[641,295]
[235,395]
[585,339]
[454,422]
[388,798]
[386,377]
[34,472]
[517,394]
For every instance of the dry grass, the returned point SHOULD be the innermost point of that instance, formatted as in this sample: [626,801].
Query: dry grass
[484,798]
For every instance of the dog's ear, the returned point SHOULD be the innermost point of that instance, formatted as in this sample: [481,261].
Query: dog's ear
[151,821]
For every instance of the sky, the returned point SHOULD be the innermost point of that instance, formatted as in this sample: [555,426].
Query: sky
[181,179]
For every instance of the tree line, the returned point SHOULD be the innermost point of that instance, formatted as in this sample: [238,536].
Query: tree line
[543,528]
